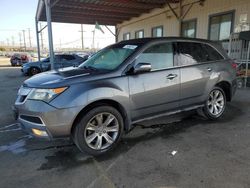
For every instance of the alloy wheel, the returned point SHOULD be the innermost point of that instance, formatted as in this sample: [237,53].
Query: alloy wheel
[101,131]
[216,102]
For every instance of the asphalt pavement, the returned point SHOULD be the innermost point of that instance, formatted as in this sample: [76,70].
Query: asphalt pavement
[187,151]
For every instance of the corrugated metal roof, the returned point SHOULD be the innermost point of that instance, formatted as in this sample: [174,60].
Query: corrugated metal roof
[105,12]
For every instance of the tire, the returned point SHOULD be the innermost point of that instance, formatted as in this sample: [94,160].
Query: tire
[215,104]
[91,135]
[33,71]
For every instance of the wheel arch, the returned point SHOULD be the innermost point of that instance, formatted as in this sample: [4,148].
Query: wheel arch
[226,87]
[102,102]
[38,68]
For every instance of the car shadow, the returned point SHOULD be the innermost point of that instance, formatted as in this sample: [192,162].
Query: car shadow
[70,157]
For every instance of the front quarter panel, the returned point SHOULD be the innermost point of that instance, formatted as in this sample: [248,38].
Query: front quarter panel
[83,94]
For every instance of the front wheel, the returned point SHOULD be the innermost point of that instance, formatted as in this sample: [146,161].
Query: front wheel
[216,103]
[99,130]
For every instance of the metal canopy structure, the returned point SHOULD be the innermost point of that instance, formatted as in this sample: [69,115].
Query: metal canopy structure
[106,12]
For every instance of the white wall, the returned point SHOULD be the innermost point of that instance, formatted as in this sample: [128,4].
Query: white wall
[170,24]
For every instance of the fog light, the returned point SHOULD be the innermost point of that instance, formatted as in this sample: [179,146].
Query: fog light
[39,132]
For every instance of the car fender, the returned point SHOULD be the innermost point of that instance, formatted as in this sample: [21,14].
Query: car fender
[81,95]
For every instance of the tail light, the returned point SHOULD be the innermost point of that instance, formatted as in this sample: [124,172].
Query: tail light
[234,64]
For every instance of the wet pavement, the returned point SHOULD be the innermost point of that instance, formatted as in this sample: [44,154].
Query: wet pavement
[209,153]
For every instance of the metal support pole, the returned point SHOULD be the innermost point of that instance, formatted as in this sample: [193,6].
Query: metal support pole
[180,17]
[50,38]
[248,55]
[37,42]
[41,32]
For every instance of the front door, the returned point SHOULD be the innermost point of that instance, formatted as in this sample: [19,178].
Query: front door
[157,91]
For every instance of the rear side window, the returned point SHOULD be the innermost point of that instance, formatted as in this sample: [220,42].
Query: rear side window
[68,57]
[211,53]
[190,53]
[160,56]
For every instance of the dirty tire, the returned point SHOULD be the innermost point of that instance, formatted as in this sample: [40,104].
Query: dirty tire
[99,130]
[215,104]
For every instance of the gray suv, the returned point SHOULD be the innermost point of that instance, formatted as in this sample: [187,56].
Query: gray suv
[124,84]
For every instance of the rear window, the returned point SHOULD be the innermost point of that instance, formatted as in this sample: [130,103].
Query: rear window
[211,53]
[193,52]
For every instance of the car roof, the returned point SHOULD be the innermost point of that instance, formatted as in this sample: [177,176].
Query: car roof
[147,40]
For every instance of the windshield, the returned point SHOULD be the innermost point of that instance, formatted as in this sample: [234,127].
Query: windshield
[110,58]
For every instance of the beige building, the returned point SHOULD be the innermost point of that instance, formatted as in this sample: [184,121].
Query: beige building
[209,19]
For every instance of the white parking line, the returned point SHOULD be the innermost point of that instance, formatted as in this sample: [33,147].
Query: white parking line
[10,130]
[8,126]
[103,173]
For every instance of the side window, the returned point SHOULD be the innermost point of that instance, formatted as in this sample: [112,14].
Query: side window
[212,54]
[190,53]
[68,57]
[160,56]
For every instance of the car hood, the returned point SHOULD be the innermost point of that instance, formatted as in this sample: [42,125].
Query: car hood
[62,77]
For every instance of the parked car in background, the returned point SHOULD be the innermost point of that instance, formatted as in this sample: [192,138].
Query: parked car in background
[18,59]
[61,61]
[124,84]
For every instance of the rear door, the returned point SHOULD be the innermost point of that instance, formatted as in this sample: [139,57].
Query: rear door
[157,91]
[196,69]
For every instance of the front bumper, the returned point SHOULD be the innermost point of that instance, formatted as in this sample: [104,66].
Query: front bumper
[43,120]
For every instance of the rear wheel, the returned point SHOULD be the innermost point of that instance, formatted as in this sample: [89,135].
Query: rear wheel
[34,71]
[216,103]
[99,130]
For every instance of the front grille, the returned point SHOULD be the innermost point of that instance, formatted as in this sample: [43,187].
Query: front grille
[32,119]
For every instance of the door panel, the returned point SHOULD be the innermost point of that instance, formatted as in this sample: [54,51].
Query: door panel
[157,91]
[194,80]
[153,93]
[197,66]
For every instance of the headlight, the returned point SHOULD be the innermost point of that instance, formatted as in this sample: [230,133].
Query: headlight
[46,94]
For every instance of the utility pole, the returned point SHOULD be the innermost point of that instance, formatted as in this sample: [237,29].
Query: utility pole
[82,36]
[29,37]
[60,44]
[13,41]
[93,40]
[24,41]
[8,43]
[20,39]
[41,36]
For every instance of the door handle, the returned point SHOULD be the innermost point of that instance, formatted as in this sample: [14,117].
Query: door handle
[171,76]
[209,69]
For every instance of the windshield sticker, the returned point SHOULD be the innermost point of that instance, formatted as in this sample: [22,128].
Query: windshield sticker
[131,47]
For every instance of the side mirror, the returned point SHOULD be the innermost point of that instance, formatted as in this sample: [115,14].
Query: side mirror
[142,67]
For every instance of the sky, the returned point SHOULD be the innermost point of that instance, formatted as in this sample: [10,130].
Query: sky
[18,15]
